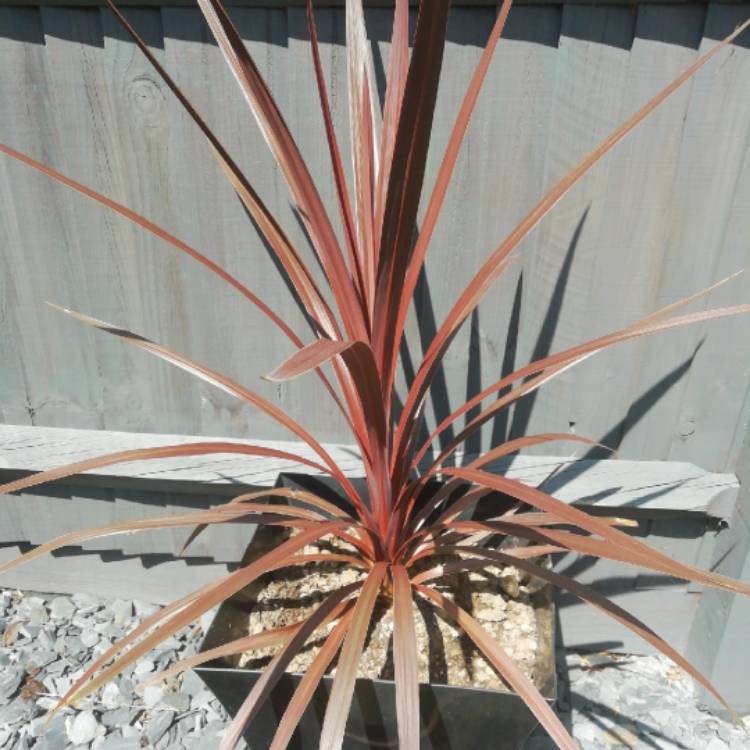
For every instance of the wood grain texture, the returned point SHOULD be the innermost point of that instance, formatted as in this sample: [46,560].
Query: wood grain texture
[722,620]
[661,216]
[712,148]
[632,485]
[155,579]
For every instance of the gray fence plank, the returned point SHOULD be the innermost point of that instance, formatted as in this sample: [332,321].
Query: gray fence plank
[712,147]
[718,369]
[623,238]
[633,485]
[719,631]
[154,579]
[592,60]
[34,264]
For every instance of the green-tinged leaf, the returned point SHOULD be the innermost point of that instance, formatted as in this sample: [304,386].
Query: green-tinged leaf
[342,692]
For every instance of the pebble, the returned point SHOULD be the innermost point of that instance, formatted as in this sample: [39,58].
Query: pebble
[178,700]
[89,638]
[61,608]
[152,695]
[38,615]
[86,603]
[111,696]
[10,681]
[119,717]
[122,610]
[55,736]
[201,699]
[120,743]
[159,726]
[83,728]
[144,667]
[38,726]
[192,684]
[614,702]
[18,711]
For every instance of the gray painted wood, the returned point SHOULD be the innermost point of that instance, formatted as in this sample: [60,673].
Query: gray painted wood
[633,486]
[600,248]
[718,635]
[153,578]
[667,612]
[712,150]
[663,217]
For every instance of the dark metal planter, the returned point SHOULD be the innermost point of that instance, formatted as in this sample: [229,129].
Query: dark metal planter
[453,718]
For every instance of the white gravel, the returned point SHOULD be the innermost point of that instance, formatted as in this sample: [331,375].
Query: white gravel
[611,702]
[45,644]
[619,701]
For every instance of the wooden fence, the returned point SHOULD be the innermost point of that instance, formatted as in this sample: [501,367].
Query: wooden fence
[663,216]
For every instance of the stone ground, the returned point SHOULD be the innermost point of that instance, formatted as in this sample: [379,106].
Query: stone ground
[619,701]
[611,702]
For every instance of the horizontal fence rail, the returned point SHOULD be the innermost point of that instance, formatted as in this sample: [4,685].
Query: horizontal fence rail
[663,216]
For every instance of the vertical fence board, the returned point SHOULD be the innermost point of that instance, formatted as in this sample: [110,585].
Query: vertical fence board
[591,84]
[713,229]
[141,106]
[101,277]
[37,256]
[617,219]
[712,147]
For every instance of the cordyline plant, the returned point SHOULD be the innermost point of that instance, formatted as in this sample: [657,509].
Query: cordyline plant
[404,536]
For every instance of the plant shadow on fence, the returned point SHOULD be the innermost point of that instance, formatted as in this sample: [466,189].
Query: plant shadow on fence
[536,35]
